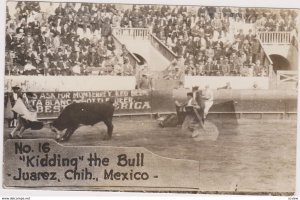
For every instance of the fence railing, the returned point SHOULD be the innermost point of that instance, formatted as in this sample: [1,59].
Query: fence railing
[141,33]
[162,48]
[287,77]
[275,37]
[144,33]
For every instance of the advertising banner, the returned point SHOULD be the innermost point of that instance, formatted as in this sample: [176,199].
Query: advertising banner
[50,104]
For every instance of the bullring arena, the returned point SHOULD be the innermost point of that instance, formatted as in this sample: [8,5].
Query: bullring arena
[249,142]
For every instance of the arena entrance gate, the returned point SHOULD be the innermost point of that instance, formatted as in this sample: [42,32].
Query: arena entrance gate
[287,79]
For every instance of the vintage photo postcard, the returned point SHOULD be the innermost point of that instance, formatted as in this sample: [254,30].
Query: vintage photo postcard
[150,97]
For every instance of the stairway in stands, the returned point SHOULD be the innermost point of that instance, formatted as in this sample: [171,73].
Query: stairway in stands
[138,43]
[155,60]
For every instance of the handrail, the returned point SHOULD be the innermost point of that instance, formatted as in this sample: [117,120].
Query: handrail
[275,37]
[145,34]
[134,61]
[131,32]
[262,47]
[132,58]
[162,48]
[274,32]
[131,28]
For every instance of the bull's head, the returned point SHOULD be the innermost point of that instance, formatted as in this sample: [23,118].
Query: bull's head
[112,100]
[58,133]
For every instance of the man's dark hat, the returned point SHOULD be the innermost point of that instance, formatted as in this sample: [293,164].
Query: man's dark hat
[189,94]
[195,88]
[15,87]
[29,94]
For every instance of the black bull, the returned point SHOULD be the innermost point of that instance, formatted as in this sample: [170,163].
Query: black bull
[76,114]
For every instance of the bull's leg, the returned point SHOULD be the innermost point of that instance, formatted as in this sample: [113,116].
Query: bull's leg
[68,133]
[20,127]
[110,128]
[20,134]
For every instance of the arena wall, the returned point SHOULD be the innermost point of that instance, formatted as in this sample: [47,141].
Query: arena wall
[237,82]
[237,103]
[244,101]
[70,83]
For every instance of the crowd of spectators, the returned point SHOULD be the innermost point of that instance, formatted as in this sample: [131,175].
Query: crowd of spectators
[203,42]
[204,39]
[75,38]
[281,20]
[264,19]
[71,39]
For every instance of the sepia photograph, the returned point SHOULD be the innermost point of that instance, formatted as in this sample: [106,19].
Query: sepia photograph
[196,99]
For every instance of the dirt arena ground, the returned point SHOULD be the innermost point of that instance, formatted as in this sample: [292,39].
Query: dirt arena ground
[244,156]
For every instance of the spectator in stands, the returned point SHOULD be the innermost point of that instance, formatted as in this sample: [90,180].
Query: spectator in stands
[9,39]
[260,70]
[76,69]
[118,70]
[190,68]
[145,82]
[29,69]
[207,98]
[109,43]
[127,68]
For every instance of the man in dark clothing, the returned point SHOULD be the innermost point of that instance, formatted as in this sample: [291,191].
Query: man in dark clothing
[9,41]
[106,28]
[177,93]
[13,98]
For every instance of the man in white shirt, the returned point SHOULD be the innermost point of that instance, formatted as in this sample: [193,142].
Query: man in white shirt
[207,97]
[191,102]
[28,68]
[179,98]
[13,98]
